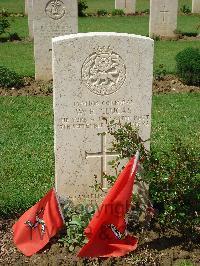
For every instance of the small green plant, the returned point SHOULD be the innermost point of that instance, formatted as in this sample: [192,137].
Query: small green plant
[156,38]
[126,140]
[14,37]
[102,12]
[185,9]
[184,263]
[76,220]
[4,13]
[4,24]
[50,88]
[160,72]
[174,185]
[9,78]
[82,6]
[118,12]
[173,177]
[188,66]
[189,34]
[146,11]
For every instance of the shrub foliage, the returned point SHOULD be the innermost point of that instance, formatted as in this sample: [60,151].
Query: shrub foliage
[82,6]
[9,78]
[188,66]
[4,24]
[118,12]
[173,177]
[185,9]
[102,12]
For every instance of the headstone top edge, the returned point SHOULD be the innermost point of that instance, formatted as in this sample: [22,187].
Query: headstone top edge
[99,34]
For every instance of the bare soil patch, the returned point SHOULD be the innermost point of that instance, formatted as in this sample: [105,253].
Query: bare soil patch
[169,84]
[155,248]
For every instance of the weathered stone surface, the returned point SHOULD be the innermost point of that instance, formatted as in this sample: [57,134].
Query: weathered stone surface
[127,5]
[30,17]
[26,7]
[51,18]
[163,18]
[98,77]
[119,4]
[195,6]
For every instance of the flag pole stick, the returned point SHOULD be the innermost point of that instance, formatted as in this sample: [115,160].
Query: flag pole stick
[137,155]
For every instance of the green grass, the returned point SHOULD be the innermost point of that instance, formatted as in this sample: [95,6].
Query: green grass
[19,25]
[165,52]
[184,263]
[19,55]
[94,5]
[17,6]
[26,142]
[13,6]
[136,25]
[189,23]
[141,5]
[26,151]
[175,115]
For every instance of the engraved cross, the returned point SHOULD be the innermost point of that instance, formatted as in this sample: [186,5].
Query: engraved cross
[103,154]
[164,11]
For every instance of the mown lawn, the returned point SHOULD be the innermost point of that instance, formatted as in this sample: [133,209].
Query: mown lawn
[17,6]
[26,142]
[13,6]
[19,55]
[166,51]
[134,24]
[26,151]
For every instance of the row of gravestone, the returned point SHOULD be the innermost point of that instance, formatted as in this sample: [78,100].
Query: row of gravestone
[51,18]
[129,6]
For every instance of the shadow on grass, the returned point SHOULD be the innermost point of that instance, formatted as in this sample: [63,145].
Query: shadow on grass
[10,38]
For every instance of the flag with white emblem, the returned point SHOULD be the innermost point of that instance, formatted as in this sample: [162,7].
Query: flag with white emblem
[106,231]
[38,225]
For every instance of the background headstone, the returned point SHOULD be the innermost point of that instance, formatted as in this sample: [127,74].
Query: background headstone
[51,18]
[128,6]
[98,77]
[120,4]
[195,6]
[163,18]
[26,7]
[30,17]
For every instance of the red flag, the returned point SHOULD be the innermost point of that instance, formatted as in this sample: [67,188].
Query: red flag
[107,230]
[36,226]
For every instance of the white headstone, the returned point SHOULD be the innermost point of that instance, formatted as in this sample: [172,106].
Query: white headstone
[195,6]
[128,6]
[52,18]
[30,17]
[163,18]
[98,77]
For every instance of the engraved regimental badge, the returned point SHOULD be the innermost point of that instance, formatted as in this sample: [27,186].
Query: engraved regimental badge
[104,72]
[55,9]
